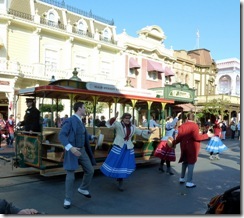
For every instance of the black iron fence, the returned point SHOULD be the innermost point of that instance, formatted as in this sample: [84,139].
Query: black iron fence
[78,11]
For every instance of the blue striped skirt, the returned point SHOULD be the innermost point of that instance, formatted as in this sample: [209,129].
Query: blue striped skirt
[120,162]
[216,145]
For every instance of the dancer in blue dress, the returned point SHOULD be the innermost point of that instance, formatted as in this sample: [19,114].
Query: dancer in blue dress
[215,145]
[120,162]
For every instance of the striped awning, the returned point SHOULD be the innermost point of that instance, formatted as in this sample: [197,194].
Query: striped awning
[168,72]
[154,66]
[133,64]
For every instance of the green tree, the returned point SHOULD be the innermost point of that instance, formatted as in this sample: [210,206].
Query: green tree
[99,107]
[51,107]
[199,115]
[216,107]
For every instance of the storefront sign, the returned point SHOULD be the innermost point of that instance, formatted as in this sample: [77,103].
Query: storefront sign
[179,94]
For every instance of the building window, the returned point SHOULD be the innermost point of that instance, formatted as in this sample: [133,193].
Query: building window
[168,80]
[82,27]
[81,64]
[182,78]
[152,75]
[106,68]
[52,19]
[187,81]
[107,35]
[132,72]
[51,59]
[238,85]
[197,87]
[177,79]
[225,85]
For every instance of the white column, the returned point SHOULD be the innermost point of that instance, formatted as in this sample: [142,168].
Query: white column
[3,39]
[68,53]
[10,95]
[95,62]
[35,45]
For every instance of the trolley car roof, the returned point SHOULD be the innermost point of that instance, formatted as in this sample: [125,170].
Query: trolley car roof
[85,91]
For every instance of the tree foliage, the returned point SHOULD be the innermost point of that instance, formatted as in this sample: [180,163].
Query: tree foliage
[99,107]
[216,107]
[50,107]
[199,115]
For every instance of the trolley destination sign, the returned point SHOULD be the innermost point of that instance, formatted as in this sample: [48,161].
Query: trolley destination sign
[119,90]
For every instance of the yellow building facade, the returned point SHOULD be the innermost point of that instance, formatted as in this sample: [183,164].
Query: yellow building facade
[41,40]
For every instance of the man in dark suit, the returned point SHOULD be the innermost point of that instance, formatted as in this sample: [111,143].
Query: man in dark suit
[75,139]
[32,117]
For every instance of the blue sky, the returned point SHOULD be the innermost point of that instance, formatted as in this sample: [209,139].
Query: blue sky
[218,21]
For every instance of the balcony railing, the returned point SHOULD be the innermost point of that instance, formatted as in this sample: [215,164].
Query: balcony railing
[82,33]
[206,98]
[52,24]
[21,15]
[57,25]
[78,11]
[104,39]
[45,73]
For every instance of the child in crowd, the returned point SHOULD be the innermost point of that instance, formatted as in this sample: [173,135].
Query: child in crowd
[163,151]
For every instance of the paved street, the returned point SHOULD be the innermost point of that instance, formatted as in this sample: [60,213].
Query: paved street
[147,191]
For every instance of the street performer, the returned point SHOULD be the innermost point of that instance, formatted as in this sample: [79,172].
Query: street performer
[31,120]
[189,139]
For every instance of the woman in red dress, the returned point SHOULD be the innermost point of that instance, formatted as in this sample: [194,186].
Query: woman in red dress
[163,151]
